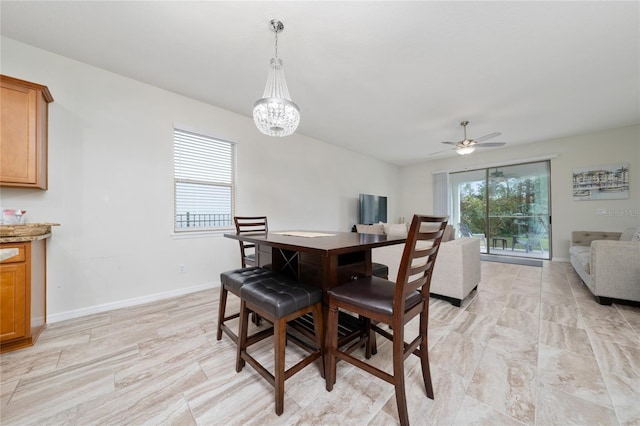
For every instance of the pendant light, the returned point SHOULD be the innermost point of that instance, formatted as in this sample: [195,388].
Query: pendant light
[275,114]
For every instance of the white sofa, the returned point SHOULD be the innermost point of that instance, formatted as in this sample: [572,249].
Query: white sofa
[608,263]
[456,272]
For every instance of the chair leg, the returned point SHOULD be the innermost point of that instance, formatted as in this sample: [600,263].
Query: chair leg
[255,318]
[369,345]
[374,345]
[398,375]
[424,355]
[221,310]
[318,329]
[242,338]
[331,347]
[280,339]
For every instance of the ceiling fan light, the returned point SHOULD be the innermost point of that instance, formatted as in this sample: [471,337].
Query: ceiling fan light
[465,150]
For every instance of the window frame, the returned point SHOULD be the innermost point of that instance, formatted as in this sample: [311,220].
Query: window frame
[202,231]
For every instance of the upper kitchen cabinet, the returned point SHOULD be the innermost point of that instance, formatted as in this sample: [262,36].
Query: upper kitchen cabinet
[23,134]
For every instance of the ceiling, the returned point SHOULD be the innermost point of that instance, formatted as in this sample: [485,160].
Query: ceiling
[390,79]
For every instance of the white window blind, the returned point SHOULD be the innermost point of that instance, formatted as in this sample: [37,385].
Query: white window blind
[203,182]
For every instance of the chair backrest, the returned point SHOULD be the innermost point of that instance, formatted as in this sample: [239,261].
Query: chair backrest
[537,232]
[418,258]
[249,225]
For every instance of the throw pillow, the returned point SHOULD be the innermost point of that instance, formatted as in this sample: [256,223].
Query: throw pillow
[636,236]
[370,229]
[396,229]
[627,234]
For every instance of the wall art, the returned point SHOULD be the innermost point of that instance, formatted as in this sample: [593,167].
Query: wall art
[610,182]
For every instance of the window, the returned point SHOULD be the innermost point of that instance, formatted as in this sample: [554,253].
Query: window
[203,182]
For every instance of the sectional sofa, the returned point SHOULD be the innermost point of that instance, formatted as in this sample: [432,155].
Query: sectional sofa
[608,263]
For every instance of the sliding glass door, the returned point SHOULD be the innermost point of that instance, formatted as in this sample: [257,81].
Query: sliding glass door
[506,207]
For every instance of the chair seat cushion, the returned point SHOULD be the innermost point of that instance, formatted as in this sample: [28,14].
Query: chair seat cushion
[234,279]
[372,293]
[379,270]
[280,295]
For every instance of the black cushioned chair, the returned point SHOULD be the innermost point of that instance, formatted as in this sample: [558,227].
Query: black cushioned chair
[244,225]
[233,281]
[395,304]
[279,299]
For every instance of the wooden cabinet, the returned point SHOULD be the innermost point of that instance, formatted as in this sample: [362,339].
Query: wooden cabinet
[308,267]
[22,295]
[23,133]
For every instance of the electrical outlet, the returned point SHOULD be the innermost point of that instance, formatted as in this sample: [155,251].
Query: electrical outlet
[182,268]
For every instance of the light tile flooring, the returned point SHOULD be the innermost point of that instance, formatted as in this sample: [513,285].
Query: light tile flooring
[529,347]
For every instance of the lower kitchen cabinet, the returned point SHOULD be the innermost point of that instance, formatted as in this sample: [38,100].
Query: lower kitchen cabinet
[23,295]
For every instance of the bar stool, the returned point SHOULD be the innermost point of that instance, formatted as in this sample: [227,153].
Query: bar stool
[233,282]
[279,299]
[394,304]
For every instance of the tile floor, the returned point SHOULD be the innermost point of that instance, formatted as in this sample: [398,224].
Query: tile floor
[530,347]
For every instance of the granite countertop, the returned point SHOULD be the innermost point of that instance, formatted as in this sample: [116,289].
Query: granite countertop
[6,253]
[24,238]
[25,232]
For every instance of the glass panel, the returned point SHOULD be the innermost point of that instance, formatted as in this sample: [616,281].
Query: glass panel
[203,206]
[507,208]
[518,210]
[469,202]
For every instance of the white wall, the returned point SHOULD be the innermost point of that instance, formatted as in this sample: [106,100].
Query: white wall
[111,185]
[612,146]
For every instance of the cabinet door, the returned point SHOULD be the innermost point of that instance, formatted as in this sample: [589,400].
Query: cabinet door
[13,301]
[18,140]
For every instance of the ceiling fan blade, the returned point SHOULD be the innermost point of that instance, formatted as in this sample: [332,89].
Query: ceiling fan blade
[490,144]
[487,137]
[451,143]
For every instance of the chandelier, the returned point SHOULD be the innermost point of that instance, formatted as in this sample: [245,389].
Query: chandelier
[275,114]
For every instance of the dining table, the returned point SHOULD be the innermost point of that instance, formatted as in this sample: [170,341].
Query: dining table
[324,259]
[320,258]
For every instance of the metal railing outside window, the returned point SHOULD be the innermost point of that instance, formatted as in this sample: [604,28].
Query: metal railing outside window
[195,220]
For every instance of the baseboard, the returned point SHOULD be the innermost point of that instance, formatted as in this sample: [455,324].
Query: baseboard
[77,313]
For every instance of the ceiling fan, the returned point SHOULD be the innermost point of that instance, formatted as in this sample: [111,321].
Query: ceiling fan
[497,173]
[467,146]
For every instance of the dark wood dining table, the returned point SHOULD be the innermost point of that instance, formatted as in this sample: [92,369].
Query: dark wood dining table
[324,259]
[320,258]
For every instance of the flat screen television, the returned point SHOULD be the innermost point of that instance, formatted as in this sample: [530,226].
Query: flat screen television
[373,209]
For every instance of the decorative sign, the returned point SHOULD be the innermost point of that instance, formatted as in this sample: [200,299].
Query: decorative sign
[609,182]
